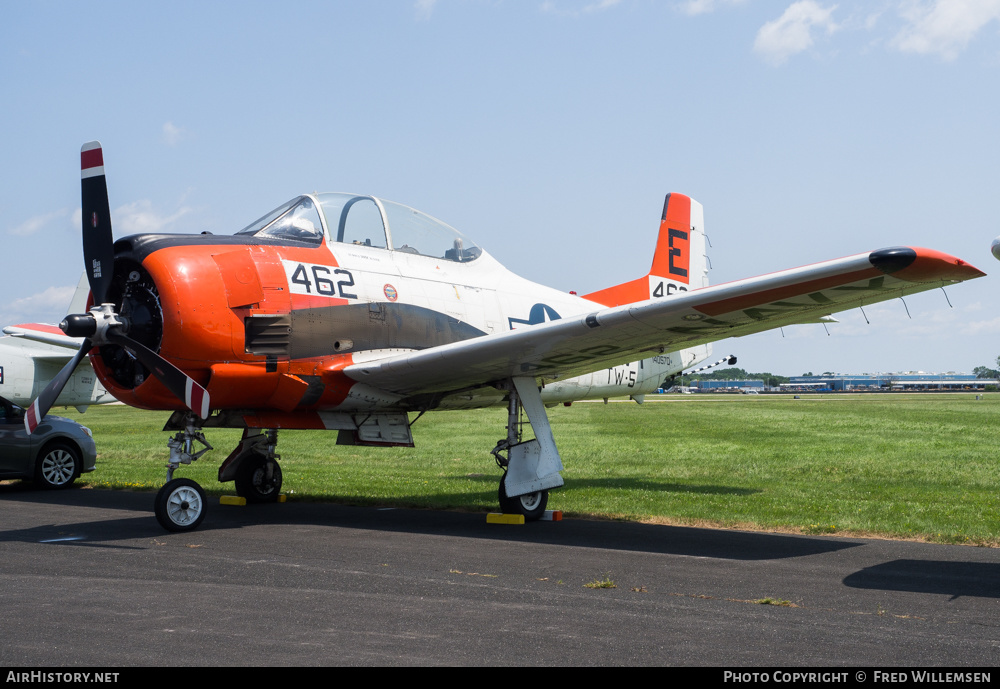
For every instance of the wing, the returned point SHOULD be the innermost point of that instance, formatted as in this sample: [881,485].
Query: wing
[43,332]
[610,336]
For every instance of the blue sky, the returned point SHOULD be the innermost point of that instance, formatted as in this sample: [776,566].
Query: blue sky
[547,131]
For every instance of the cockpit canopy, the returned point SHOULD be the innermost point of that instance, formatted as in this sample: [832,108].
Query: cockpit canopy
[364,221]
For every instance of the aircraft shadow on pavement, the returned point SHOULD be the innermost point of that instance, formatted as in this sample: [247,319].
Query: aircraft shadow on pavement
[625,483]
[615,535]
[950,578]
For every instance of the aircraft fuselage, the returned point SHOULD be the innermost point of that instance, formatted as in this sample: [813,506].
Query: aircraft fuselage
[270,322]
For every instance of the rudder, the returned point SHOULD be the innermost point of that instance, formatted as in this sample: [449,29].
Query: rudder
[679,260]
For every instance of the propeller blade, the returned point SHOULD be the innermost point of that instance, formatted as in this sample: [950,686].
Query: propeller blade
[34,414]
[98,240]
[194,396]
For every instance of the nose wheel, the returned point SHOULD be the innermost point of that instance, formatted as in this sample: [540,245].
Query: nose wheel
[180,505]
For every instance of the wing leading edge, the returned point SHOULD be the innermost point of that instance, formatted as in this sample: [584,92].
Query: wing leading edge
[45,333]
[611,336]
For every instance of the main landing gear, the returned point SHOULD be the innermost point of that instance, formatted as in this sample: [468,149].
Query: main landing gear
[531,505]
[530,467]
[253,465]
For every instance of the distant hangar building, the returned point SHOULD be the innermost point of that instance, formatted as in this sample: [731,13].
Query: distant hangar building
[727,385]
[889,381]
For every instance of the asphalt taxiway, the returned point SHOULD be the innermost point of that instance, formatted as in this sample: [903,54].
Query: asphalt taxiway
[90,579]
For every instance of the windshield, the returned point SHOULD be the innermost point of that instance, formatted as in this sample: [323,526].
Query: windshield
[298,219]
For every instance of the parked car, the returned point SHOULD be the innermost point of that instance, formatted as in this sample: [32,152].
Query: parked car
[53,456]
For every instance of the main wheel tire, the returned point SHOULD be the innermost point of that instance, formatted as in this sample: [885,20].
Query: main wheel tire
[57,466]
[532,505]
[259,479]
[180,505]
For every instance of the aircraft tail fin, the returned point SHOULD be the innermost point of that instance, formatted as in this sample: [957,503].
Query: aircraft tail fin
[79,302]
[680,261]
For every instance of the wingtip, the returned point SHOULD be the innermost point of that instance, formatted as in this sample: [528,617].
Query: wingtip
[917,264]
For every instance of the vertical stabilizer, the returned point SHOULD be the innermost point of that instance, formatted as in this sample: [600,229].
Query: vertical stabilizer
[680,261]
[79,301]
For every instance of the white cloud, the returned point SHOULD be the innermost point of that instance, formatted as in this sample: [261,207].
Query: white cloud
[45,307]
[172,134]
[986,327]
[791,33]
[944,27]
[693,7]
[135,218]
[600,5]
[551,7]
[139,217]
[424,8]
[32,225]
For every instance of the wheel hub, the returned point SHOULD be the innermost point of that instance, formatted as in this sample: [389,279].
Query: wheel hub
[184,506]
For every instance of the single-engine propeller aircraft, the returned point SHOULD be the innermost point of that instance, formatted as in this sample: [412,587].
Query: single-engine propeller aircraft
[347,312]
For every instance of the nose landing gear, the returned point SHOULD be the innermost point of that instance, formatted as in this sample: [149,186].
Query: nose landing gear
[180,504]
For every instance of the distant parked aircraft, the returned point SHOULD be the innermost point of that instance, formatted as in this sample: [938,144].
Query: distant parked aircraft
[32,354]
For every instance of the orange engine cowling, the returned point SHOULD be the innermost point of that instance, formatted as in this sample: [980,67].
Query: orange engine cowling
[172,294]
[209,304]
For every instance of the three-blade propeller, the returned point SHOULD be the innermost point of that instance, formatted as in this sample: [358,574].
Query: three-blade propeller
[103,325]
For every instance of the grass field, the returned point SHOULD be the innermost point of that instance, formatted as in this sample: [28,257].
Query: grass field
[896,465]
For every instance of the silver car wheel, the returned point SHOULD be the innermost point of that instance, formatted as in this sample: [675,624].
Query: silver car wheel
[58,467]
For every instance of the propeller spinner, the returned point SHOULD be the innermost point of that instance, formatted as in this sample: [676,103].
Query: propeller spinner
[103,325]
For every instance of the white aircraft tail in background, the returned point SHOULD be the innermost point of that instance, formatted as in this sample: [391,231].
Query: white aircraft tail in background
[32,354]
